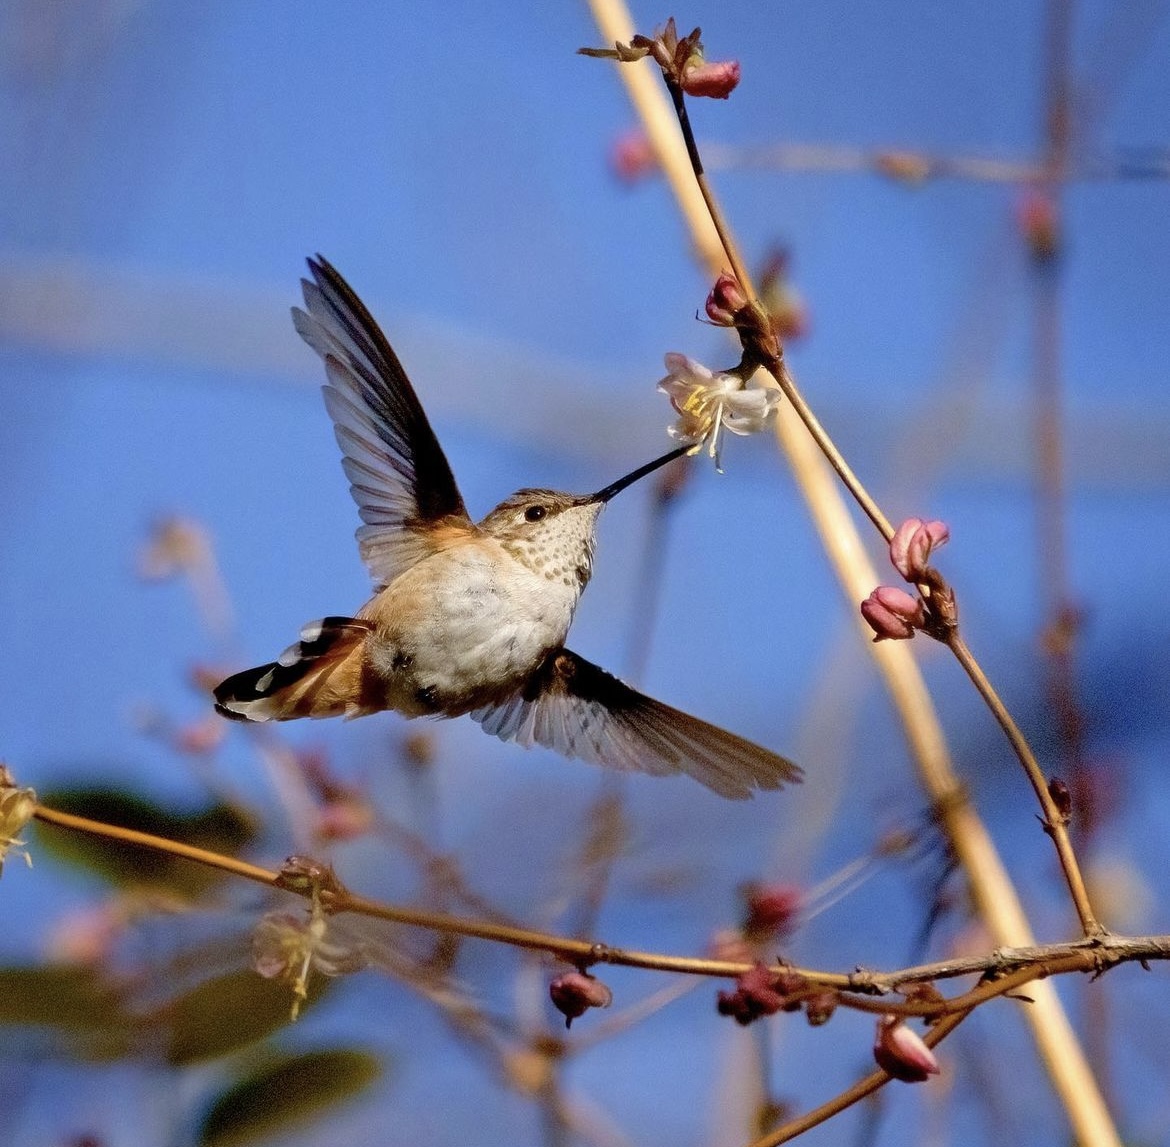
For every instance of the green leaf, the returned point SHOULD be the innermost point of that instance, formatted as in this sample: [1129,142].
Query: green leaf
[289,1091]
[90,1019]
[83,1009]
[221,828]
[228,1012]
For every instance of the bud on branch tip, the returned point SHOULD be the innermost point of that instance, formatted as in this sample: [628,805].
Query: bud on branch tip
[912,544]
[727,302]
[902,1052]
[681,60]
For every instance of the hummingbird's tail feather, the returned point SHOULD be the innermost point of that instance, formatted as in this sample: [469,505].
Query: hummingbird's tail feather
[318,676]
[572,706]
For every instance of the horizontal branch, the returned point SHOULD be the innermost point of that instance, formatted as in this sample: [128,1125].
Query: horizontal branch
[1017,965]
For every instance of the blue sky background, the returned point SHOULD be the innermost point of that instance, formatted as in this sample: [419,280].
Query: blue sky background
[166,169]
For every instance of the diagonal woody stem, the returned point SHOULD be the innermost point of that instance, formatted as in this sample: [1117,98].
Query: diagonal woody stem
[995,897]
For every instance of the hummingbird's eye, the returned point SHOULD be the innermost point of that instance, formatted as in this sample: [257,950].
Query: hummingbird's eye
[534,513]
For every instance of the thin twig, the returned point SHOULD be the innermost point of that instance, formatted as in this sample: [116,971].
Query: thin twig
[1055,823]
[859,1091]
[914,168]
[158,843]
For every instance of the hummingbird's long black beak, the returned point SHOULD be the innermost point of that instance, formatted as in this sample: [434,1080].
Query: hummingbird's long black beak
[617,487]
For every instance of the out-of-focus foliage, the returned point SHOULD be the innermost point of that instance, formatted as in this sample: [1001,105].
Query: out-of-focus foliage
[219,827]
[87,1015]
[287,1092]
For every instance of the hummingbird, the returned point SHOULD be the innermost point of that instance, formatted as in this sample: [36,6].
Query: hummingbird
[466,618]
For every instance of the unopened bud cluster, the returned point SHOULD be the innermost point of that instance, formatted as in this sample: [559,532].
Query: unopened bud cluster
[682,61]
[894,614]
[762,991]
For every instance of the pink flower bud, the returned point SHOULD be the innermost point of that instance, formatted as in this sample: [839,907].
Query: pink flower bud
[912,545]
[715,80]
[342,820]
[892,613]
[632,157]
[200,737]
[901,1051]
[574,993]
[771,909]
[87,936]
[726,301]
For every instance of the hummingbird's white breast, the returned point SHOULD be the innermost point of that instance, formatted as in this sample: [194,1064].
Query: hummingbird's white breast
[466,626]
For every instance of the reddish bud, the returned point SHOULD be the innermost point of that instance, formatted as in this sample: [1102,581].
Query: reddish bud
[892,613]
[904,166]
[201,737]
[418,748]
[347,819]
[819,1009]
[632,157]
[715,80]
[1038,218]
[787,311]
[901,1052]
[771,909]
[923,992]
[760,992]
[87,936]
[912,545]
[574,993]
[726,302]
[1061,796]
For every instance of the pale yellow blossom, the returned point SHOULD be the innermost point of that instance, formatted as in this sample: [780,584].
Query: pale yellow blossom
[17,806]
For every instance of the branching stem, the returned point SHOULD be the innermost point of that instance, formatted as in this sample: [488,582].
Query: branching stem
[1013,966]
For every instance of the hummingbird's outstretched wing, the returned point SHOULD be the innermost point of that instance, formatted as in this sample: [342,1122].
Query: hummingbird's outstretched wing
[398,474]
[574,707]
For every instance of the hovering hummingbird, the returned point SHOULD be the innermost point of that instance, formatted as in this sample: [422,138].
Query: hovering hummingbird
[465,617]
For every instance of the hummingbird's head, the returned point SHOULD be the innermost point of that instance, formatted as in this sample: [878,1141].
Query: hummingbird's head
[554,533]
[549,532]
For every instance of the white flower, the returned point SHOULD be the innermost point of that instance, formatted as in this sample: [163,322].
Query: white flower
[707,401]
[17,806]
